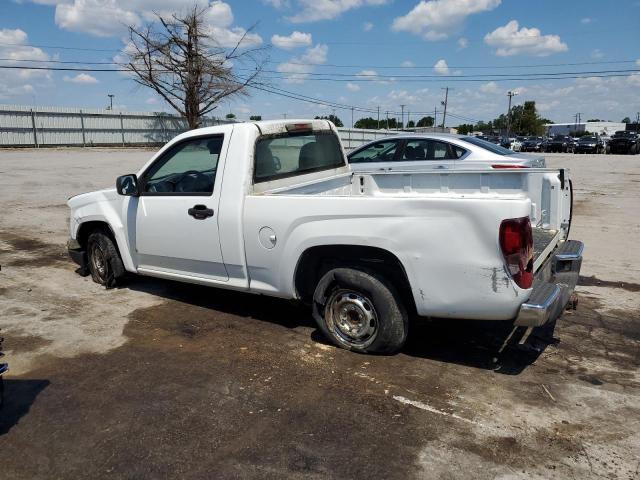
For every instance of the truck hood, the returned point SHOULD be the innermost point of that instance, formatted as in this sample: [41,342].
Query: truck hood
[77,201]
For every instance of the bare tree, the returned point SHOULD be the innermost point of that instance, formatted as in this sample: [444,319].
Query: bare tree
[180,59]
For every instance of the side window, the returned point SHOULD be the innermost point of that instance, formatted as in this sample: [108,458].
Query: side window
[431,150]
[187,168]
[382,151]
[415,150]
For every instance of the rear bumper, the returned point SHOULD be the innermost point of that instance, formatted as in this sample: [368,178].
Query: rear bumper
[553,285]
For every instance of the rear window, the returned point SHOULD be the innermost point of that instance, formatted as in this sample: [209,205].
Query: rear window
[492,147]
[288,155]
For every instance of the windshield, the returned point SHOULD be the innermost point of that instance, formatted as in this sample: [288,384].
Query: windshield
[492,147]
[291,154]
[589,139]
[624,134]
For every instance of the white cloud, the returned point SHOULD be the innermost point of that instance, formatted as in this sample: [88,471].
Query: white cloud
[299,68]
[441,67]
[367,26]
[102,18]
[315,10]
[597,54]
[489,87]
[638,62]
[585,21]
[372,75]
[438,19]
[407,64]
[295,40]
[106,18]
[352,87]
[82,78]
[13,47]
[277,3]
[463,43]
[511,40]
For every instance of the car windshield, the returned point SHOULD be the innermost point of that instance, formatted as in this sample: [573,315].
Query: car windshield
[624,134]
[492,147]
[588,139]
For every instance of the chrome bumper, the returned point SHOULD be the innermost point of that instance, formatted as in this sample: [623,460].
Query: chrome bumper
[553,285]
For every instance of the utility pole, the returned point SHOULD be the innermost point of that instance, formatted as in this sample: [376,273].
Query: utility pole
[351,117]
[408,115]
[285,116]
[446,99]
[435,118]
[378,118]
[111,95]
[510,94]
[387,112]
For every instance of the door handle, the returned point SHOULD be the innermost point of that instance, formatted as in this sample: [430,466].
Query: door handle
[200,212]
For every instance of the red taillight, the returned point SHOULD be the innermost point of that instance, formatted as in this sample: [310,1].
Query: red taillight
[516,243]
[499,165]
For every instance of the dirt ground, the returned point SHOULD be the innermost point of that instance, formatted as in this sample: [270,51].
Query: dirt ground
[164,380]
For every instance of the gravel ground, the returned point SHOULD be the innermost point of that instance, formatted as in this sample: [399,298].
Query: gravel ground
[159,379]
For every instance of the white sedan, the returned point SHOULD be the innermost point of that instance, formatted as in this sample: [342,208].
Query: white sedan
[439,151]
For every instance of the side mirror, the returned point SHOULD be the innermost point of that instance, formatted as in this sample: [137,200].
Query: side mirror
[127,185]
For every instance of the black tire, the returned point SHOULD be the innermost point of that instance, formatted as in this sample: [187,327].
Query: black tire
[368,302]
[105,264]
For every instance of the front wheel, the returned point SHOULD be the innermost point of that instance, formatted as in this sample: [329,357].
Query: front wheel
[105,264]
[361,311]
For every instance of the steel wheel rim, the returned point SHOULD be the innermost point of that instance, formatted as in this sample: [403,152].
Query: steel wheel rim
[98,262]
[352,318]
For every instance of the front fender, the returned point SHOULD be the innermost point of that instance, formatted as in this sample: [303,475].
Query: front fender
[106,207]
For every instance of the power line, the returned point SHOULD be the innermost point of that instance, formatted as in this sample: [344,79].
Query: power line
[399,67]
[424,78]
[453,66]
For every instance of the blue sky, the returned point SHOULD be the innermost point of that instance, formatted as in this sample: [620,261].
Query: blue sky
[363,48]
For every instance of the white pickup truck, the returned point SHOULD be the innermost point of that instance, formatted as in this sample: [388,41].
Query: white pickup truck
[273,208]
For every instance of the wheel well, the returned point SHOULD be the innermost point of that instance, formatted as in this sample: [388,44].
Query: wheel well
[88,227]
[316,261]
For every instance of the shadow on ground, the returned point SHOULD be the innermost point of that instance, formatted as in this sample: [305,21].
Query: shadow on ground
[19,395]
[497,346]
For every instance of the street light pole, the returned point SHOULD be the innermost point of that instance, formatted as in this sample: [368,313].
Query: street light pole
[446,99]
[510,94]
[111,95]
[402,116]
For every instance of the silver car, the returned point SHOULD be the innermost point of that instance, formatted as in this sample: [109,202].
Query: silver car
[437,151]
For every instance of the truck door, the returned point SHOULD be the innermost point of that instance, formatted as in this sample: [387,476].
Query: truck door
[177,211]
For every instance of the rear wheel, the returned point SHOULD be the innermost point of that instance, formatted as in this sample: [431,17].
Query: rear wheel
[105,264]
[361,311]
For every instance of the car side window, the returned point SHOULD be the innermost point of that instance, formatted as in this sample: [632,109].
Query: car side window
[188,168]
[382,151]
[431,150]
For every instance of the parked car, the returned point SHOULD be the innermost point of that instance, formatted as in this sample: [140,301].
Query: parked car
[273,208]
[532,144]
[437,150]
[589,144]
[560,143]
[516,143]
[625,142]
[505,142]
